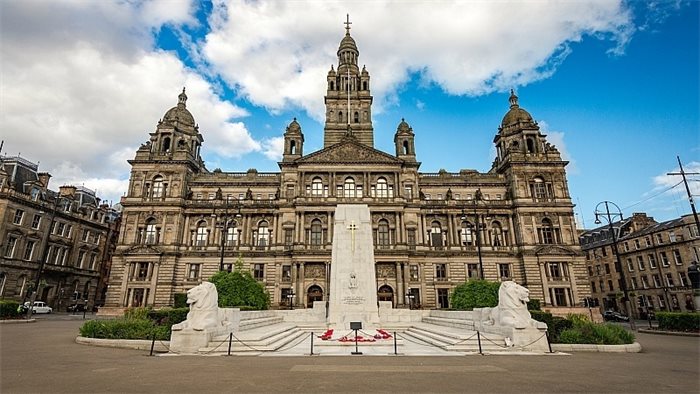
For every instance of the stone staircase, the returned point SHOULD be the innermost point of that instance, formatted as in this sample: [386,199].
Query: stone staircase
[453,339]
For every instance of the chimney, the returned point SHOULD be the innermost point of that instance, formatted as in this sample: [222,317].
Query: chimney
[44,179]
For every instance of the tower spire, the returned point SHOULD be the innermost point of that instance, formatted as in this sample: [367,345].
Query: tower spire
[347,24]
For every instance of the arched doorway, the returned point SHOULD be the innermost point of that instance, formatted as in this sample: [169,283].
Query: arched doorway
[385,293]
[315,293]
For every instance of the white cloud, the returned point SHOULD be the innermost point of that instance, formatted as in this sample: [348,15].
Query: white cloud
[82,87]
[556,138]
[273,148]
[665,181]
[274,51]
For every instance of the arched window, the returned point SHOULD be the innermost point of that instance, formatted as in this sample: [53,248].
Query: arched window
[150,236]
[382,188]
[331,85]
[436,239]
[383,234]
[86,292]
[292,147]
[232,234]
[539,189]
[497,234]
[158,187]
[405,147]
[364,85]
[547,234]
[317,187]
[466,234]
[356,117]
[166,144]
[349,188]
[340,116]
[530,145]
[201,234]
[263,234]
[316,232]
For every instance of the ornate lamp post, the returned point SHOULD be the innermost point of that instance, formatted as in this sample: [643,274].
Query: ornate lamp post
[225,223]
[477,198]
[290,299]
[609,217]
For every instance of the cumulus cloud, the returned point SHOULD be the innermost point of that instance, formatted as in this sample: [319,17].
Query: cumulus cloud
[273,148]
[82,86]
[556,138]
[274,51]
[664,181]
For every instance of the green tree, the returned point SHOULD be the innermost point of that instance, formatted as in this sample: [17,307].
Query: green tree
[475,294]
[240,289]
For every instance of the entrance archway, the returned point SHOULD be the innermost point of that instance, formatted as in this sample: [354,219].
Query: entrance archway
[315,293]
[385,293]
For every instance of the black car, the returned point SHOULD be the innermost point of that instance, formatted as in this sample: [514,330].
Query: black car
[76,308]
[614,316]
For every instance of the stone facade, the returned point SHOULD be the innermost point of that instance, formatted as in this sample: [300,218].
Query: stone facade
[70,229]
[431,230]
[655,258]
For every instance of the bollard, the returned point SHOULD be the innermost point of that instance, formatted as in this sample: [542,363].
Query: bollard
[395,352]
[153,343]
[549,344]
[478,339]
[230,339]
[312,344]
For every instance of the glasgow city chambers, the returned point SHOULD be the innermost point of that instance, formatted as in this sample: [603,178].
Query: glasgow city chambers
[182,223]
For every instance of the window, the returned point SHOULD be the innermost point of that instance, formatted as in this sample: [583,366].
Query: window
[504,271]
[436,240]
[349,188]
[443,299]
[29,250]
[93,261]
[683,279]
[36,221]
[382,190]
[317,187]
[671,236]
[232,235]
[590,271]
[647,241]
[560,297]
[640,263]
[86,235]
[548,234]
[659,239]
[496,234]
[662,302]
[664,259]
[151,232]
[441,272]
[597,269]
[630,266]
[602,286]
[636,244]
[593,290]
[10,247]
[413,273]
[473,271]
[316,232]
[383,234]
[634,283]
[626,247]
[466,235]
[607,268]
[645,282]
[60,227]
[259,271]
[288,237]
[408,189]
[201,234]
[610,285]
[142,271]
[669,280]
[677,257]
[411,239]
[558,271]
[540,190]
[286,273]
[193,272]
[19,214]
[263,236]
[158,187]
[652,261]
[657,280]
[79,261]
[68,231]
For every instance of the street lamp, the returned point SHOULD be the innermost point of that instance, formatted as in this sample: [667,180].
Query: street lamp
[225,223]
[290,299]
[477,198]
[410,297]
[609,217]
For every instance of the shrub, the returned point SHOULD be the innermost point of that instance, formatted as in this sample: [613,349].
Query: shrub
[679,321]
[136,313]
[600,334]
[555,324]
[180,300]
[240,289]
[124,329]
[533,305]
[168,316]
[475,294]
[8,309]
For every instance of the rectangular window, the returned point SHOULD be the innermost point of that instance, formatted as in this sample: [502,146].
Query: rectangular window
[659,238]
[682,279]
[590,271]
[652,261]
[607,268]
[81,257]
[677,257]
[413,273]
[634,283]
[441,272]
[640,263]
[473,271]
[231,236]
[602,286]
[610,285]
[142,271]
[443,298]
[630,266]
[671,237]
[664,259]
[647,241]
[93,261]
[593,290]
[408,190]
[19,214]
[597,269]
[636,244]
[193,272]
[657,280]
[288,238]
[86,235]
[10,247]
[286,273]
[645,282]
[68,231]
[36,221]
[669,280]
[560,296]
[29,250]
[504,271]
[259,271]
[662,302]
[411,238]
[604,251]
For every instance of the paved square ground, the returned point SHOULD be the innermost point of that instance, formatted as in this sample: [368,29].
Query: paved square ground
[43,357]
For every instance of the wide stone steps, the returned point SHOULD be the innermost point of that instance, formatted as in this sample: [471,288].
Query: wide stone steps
[450,340]
[264,339]
[249,324]
[448,322]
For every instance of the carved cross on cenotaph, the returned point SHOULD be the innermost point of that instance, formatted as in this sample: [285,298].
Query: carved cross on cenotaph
[352,227]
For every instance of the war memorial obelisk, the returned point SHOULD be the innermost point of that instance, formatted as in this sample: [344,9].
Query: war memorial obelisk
[353,290]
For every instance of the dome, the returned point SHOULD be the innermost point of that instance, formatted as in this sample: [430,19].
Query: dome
[294,127]
[404,128]
[347,43]
[179,113]
[515,114]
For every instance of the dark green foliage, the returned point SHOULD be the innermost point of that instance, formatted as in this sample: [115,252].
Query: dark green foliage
[240,289]
[585,331]
[475,294]
[679,321]
[8,309]
[555,324]
[533,305]
[180,300]
[168,316]
[137,323]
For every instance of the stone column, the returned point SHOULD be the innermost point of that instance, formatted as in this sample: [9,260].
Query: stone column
[301,296]
[545,284]
[154,282]
[400,284]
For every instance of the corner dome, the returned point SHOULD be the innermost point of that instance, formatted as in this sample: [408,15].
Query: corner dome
[294,127]
[404,128]
[179,113]
[515,114]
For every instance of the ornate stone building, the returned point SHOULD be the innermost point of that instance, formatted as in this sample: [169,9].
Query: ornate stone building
[654,258]
[70,230]
[432,231]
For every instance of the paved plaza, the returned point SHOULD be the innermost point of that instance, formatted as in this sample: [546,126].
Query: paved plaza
[43,357]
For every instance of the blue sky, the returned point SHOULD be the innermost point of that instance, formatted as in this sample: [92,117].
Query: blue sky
[614,84]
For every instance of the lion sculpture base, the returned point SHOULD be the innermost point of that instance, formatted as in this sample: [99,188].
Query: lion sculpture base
[512,319]
[205,320]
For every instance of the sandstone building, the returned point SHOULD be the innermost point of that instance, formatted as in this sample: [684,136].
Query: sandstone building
[70,230]
[654,258]
[181,222]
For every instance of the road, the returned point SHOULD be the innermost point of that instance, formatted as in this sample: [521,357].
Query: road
[43,357]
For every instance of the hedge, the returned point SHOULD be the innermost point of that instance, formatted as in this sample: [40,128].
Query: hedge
[587,332]
[475,294]
[555,324]
[8,309]
[180,300]
[137,323]
[238,289]
[679,321]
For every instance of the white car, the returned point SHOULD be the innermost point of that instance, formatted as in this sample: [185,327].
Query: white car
[39,307]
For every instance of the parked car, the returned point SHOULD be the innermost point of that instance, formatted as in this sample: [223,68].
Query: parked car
[614,316]
[76,308]
[39,307]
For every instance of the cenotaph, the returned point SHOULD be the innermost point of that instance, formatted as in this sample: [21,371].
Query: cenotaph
[353,285]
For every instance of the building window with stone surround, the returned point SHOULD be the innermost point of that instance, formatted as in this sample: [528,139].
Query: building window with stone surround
[141,271]
[193,272]
[504,272]
[158,187]
[414,275]
[19,214]
[497,238]
[288,239]
[436,238]
[559,296]
[29,250]
[540,190]
[383,234]
[466,236]
[259,271]
[652,261]
[441,272]
[316,233]
[286,273]
[472,271]
[548,234]
[232,235]
[10,247]
[677,257]
[443,298]
[664,259]
[557,271]
[263,235]
[381,189]
[201,234]
[411,239]
[669,280]
[317,187]
[150,236]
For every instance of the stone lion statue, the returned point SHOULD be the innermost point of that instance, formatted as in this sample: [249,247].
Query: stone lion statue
[204,308]
[512,307]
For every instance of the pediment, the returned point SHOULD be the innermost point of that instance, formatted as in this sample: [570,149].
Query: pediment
[349,151]
[555,250]
[143,249]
